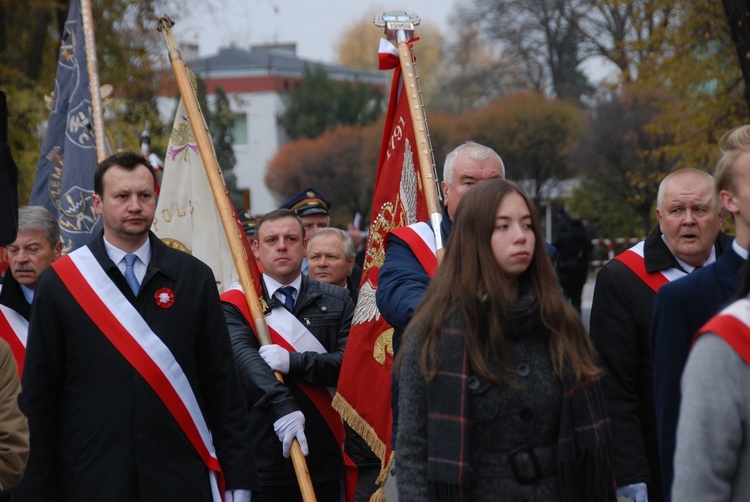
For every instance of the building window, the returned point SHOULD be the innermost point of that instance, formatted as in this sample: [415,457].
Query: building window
[240,129]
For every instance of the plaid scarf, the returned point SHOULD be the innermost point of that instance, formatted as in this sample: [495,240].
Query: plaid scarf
[583,461]
[584,471]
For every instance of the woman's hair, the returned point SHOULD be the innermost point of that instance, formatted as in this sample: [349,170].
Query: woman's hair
[469,271]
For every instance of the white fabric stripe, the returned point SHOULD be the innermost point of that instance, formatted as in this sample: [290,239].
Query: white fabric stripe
[386,47]
[424,231]
[638,248]
[292,330]
[295,333]
[671,274]
[131,319]
[18,324]
[739,310]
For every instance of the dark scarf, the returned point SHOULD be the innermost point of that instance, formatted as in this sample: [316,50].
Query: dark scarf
[584,470]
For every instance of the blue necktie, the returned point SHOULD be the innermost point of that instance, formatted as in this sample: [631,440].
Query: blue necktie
[130,273]
[288,292]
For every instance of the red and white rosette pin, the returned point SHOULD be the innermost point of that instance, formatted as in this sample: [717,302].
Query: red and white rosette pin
[164,298]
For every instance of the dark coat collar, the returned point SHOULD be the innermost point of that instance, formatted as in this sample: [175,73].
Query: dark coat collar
[309,291]
[658,257]
[12,296]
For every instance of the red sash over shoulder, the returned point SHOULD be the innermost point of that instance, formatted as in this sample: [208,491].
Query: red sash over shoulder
[288,332]
[123,325]
[633,258]
[733,325]
[14,329]
[421,240]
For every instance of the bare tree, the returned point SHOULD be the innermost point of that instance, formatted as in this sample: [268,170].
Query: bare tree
[738,17]
[628,33]
[542,36]
[475,73]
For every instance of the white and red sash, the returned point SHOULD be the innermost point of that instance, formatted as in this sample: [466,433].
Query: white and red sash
[421,240]
[288,332]
[733,325]
[123,325]
[633,258]
[14,329]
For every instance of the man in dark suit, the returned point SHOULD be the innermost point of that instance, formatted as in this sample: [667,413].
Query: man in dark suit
[682,307]
[686,237]
[37,245]
[130,387]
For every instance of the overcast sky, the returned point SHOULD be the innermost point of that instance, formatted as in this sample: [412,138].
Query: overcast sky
[314,25]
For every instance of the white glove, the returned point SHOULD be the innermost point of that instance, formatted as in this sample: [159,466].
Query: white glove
[276,357]
[636,491]
[237,496]
[288,427]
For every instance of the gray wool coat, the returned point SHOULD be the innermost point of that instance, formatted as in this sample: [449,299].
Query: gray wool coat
[503,419]
[712,458]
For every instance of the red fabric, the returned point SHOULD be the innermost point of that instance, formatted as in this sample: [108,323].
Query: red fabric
[422,251]
[735,332]
[387,61]
[16,347]
[637,264]
[365,383]
[111,327]
[4,264]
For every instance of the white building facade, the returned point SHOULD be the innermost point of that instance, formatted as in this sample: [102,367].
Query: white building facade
[255,82]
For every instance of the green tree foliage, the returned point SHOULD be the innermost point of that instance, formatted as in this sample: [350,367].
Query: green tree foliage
[610,217]
[319,103]
[128,47]
[221,126]
[700,82]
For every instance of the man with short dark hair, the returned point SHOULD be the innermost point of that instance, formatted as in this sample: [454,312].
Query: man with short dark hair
[309,323]
[313,208]
[130,386]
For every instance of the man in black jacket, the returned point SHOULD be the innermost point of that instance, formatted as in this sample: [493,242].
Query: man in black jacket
[309,323]
[687,237]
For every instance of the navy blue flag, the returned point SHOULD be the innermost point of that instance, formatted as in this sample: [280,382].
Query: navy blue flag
[65,171]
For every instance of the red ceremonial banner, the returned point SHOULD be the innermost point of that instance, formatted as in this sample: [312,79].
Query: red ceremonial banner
[364,386]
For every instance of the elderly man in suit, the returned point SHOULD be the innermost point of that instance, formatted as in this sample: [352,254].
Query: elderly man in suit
[682,307]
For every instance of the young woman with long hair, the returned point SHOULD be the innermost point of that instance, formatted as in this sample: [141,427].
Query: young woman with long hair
[499,398]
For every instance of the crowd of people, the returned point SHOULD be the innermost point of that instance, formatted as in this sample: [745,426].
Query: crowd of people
[126,376]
